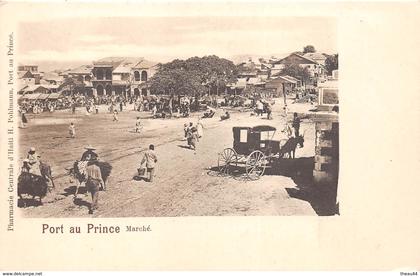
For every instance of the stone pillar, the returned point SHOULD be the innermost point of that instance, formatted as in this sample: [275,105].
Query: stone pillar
[326,163]
[95,93]
[326,151]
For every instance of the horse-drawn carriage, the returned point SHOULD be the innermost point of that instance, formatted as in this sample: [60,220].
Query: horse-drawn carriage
[254,148]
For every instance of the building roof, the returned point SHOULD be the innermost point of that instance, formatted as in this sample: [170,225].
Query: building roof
[116,61]
[81,70]
[43,96]
[31,96]
[274,82]
[255,81]
[52,76]
[240,83]
[24,74]
[290,78]
[315,56]
[31,88]
[21,86]
[54,95]
[34,87]
[283,60]
[123,68]
[144,64]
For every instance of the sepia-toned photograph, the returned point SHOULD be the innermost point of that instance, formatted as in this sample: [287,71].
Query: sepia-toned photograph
[227,135]
[178,116]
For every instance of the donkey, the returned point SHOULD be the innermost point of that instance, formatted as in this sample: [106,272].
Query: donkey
[290,146]
[105,168]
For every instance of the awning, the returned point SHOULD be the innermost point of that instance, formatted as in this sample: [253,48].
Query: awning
[151,97]
[31,96]
[43,96]
[54,96]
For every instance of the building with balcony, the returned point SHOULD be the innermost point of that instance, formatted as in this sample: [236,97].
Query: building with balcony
[102,75]
[141,72]
[122,76]
[82,77]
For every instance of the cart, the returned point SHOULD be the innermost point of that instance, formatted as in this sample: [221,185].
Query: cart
[253,147]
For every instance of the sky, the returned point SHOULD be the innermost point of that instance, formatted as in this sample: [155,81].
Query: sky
[162,39]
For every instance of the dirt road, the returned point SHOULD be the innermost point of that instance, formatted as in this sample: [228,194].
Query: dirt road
[185,184]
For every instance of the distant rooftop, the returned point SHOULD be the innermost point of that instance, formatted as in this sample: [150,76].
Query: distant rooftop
[315,56]
[84,69]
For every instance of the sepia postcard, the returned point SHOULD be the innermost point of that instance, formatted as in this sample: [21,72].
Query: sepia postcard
[209,136]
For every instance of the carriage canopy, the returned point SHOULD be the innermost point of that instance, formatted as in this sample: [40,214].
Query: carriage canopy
[262,128]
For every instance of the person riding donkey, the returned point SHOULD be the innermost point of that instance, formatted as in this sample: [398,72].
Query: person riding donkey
[33,162]
[88,157]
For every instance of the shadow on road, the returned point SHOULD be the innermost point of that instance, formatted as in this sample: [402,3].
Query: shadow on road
[322,198]
[80,202]
[28,202]
[185,147]
[72,189]
[300,170]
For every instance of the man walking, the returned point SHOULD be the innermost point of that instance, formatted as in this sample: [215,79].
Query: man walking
[115,117]
[260,108]
[72,130]
[138,124]
[150,159]
[73,107]
[296,124]
[94,181]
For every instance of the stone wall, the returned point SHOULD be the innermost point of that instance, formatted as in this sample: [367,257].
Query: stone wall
[326,150]
[326,161]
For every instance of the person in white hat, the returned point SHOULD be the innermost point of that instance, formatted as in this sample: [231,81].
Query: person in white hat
[89,154]
[33,161]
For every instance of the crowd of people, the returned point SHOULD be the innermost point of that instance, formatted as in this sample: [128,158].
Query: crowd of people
[159,107]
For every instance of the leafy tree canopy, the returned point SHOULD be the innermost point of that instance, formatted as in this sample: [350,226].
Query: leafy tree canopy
[294,70]
[193,76]
[331,63]
[309,49]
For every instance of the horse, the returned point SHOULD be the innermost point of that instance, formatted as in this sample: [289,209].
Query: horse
[32,184]
[290,146]
[105,168]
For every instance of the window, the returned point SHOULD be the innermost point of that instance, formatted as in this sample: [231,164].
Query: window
[100,90]
[243,136]
[143,76]
[136,76]
[100,74]
[109,74]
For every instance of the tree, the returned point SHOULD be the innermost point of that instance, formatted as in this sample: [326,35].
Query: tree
[73,86]
[331,63]
[295,70]
[309,49]
[193,75]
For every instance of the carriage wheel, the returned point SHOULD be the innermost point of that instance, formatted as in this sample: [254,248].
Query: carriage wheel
[227,158]
[255,165]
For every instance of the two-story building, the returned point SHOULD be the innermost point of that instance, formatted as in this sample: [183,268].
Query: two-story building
[102,75]
[31,68]
[28,74]
[317,57]
[82,76]
[315,69]
[141,72]
[122,76]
